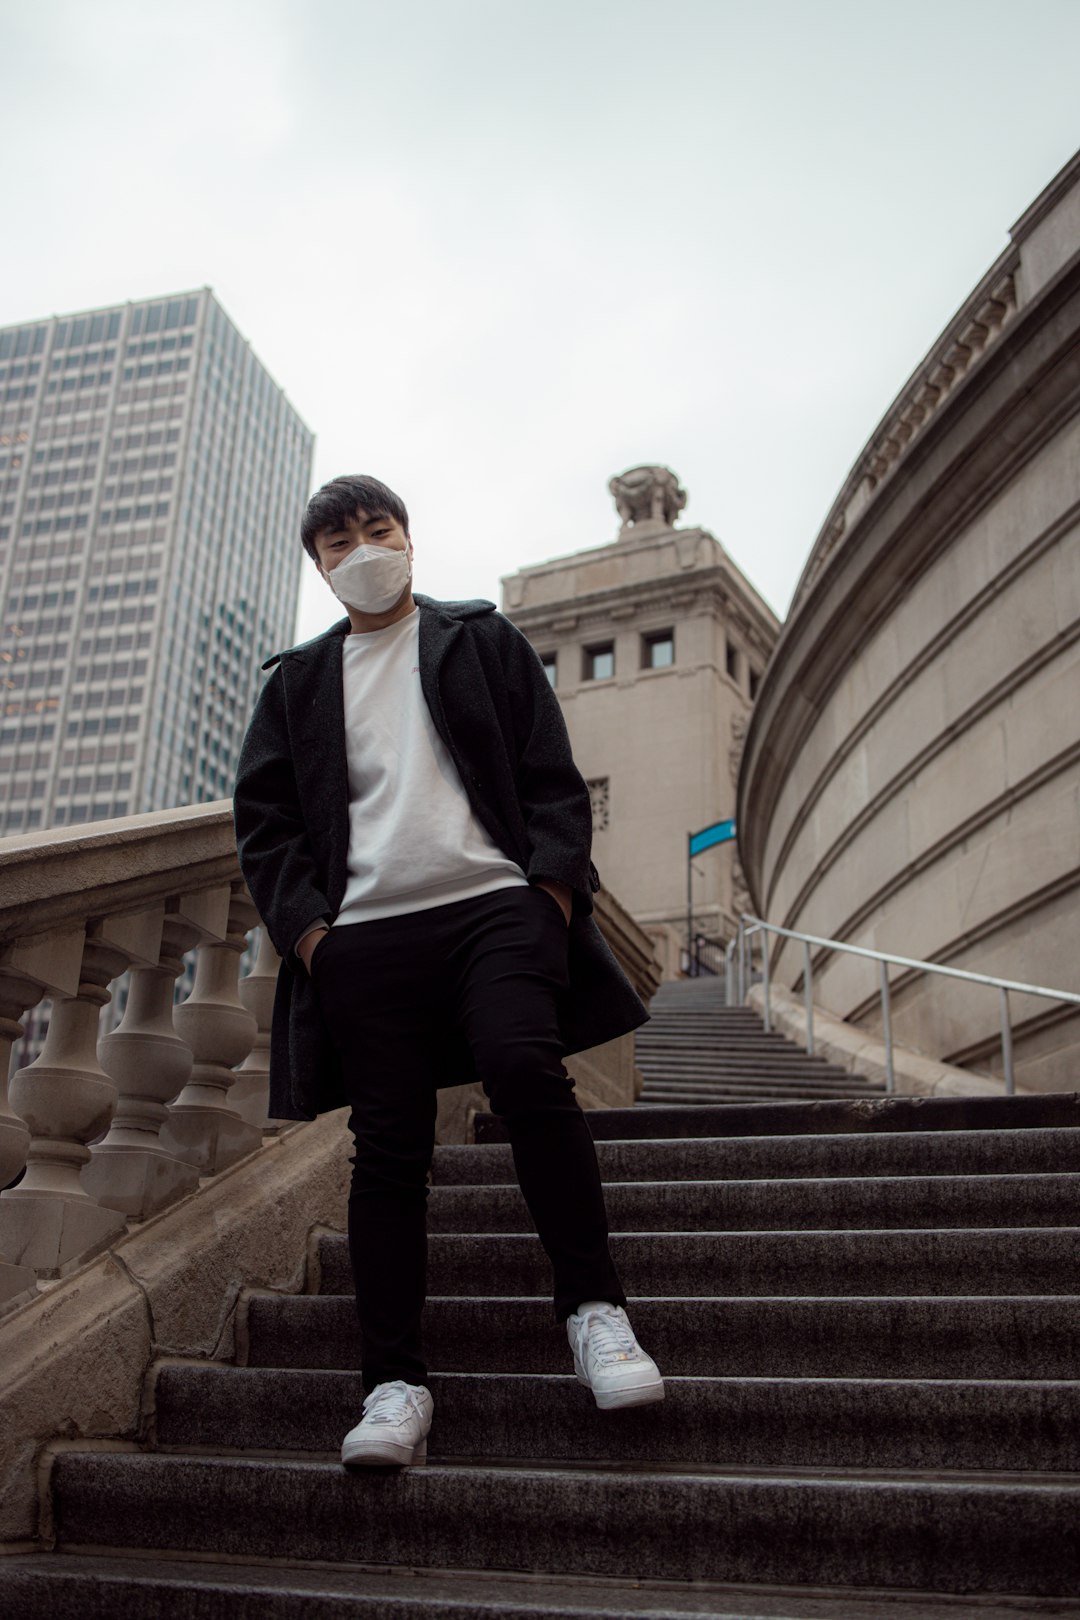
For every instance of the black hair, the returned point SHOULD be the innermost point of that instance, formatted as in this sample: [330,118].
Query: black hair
[335,503]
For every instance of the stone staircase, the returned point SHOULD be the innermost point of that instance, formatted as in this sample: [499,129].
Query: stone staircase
[696,1049]
[867,1313]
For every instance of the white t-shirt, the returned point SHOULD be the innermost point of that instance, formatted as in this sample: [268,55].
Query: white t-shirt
[414,841]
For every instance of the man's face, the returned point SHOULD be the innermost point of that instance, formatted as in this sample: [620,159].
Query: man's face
[332,545]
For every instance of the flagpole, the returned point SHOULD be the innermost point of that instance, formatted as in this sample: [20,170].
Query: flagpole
[689,898]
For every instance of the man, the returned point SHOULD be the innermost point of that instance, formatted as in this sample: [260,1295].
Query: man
[416,837]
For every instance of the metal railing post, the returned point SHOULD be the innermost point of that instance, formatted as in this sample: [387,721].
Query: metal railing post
[1006,1043]
[808,997]
[742,963]
[886,1019]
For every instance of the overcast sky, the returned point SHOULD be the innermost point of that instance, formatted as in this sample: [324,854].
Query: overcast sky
[497,250]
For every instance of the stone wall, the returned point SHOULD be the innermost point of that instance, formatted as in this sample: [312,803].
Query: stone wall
[911,777]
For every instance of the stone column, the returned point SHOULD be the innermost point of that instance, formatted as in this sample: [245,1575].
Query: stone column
[17,994]
[49,1221]
[202,1126]
[257,990]
[130,1170]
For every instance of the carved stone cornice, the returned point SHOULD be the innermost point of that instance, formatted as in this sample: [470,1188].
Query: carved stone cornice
[974,330]
[1025,387]
[713,590]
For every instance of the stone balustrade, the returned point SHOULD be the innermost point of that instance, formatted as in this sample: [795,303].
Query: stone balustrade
[106,1129]
[109,1130]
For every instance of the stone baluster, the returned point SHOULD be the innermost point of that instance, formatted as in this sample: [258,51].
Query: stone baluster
[49,1221]
[202,1126]
[130,1169]
[29,968]
[257,990]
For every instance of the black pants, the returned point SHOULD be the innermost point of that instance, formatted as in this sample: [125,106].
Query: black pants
[388,990]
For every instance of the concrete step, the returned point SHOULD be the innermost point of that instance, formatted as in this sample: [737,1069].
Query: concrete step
[907,1336]
[707,1067]
[729,1051]
[684,1031]
[992,1533]
[691,1074]
[694,1059]
[787,1204]
[724,1097]
[1007,1260]
[787,1073]
[698,1052]
[747,1090]
[728,1422]
[719,1100]
[679,1019]
[1054,1109]
[756,1082]
[74,1586]
[723,1158]
[748,1087]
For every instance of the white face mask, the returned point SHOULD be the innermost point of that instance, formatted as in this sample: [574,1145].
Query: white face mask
[371,578]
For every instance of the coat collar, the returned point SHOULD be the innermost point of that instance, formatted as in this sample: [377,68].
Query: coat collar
[447,612]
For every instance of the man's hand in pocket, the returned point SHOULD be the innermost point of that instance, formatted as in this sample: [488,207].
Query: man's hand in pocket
[561,892]
[307,945]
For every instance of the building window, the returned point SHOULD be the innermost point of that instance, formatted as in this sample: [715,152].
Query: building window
[548,661]
[599,664]
[600,794]
[733,662]
[755,682]
[658,649]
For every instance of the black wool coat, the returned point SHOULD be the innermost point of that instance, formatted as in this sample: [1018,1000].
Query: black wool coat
[493,706]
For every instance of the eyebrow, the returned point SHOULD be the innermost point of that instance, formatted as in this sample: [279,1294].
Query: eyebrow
[380,517]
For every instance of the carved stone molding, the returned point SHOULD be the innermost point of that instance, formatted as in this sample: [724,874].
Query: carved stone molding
[974,331]
[649,494]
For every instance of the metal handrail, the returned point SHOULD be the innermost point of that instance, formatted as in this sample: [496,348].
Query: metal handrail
[737,956]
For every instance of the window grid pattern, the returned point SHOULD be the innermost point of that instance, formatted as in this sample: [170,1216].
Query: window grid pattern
[152,477]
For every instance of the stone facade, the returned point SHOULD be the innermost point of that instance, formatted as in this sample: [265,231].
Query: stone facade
[911,776]
[655,643]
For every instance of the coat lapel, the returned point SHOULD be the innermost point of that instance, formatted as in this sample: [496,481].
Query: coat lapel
[315,703]
[438,632]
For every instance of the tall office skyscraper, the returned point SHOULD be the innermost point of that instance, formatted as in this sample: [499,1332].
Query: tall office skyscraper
[152,477]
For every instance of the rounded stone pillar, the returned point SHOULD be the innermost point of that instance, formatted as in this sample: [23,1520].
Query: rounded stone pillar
[150,1063]
[16,996]
[257,989]
[50,1221]
[203,1127]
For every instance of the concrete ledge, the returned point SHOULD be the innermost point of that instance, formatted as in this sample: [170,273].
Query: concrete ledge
[75,1357]
[859,1053]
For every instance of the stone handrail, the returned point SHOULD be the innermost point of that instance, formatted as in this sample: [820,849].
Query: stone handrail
[112,1130]
[109,1129]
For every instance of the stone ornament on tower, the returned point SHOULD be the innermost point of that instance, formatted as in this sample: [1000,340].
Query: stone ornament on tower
[646,498]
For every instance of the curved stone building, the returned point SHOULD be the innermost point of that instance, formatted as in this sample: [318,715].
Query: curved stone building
[911,774]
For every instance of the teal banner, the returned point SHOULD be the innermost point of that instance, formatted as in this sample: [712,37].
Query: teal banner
[719,833]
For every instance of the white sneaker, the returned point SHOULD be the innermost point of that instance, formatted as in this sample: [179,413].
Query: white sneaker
[394,1427]
[609,1360]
